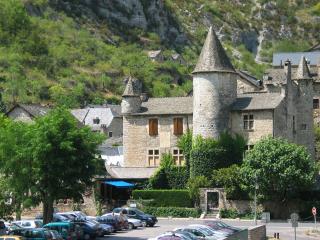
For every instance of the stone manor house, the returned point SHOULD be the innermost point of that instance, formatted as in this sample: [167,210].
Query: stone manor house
[281,106]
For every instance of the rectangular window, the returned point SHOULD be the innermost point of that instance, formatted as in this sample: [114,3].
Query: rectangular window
[248,121]
[109,134]
[153,127]
[153,157]
[178,126]
[293,123]
[178,157]
[315,103]
[96,120]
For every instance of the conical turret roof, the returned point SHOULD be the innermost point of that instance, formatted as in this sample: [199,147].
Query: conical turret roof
[303,70]
[130,90]
[213,57]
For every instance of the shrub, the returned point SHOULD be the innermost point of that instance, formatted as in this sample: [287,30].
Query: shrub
[173,211]
[194,184]
[234,213]
[164,198]
[169,176]
[230,179]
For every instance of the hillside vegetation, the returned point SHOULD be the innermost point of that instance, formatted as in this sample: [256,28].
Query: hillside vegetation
[74,52]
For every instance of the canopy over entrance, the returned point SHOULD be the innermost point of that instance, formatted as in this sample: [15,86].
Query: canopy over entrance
[119,184]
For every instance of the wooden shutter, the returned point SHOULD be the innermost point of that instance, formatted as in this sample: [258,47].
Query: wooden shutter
[178,126]
[153,127]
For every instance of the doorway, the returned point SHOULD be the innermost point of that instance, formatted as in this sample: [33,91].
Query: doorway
[212,201]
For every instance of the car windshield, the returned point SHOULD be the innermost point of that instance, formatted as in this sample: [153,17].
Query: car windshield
[139,212]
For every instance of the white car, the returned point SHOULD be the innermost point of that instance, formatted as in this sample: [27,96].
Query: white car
[29,223]
[134,223]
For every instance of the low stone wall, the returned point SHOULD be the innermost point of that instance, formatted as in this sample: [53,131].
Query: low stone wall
[257,233]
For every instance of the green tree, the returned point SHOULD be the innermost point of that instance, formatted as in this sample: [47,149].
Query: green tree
[2,105]
[280,168]
[185,144]
[64,159]
[194,184]
[15,163]
[230,179]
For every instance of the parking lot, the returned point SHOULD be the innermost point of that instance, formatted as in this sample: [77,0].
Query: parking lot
[284,228]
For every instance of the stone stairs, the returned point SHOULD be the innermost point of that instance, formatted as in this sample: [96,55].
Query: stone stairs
[212,214]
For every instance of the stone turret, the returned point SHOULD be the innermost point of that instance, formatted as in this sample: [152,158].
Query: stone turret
[131,102]
[214,89]
[304,103]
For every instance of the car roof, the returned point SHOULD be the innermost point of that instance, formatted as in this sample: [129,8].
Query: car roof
[58,224]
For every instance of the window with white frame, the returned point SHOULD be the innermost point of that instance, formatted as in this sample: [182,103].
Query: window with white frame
[248,121]
[178,157]
[153,157]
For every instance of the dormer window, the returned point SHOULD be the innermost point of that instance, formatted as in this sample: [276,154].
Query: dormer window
[96,120]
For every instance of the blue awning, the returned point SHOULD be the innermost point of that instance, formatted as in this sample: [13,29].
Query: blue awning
[120,184]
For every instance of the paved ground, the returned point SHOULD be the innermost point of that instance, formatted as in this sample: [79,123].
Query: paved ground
[285,229]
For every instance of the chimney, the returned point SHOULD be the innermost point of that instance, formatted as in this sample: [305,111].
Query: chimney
[287,69]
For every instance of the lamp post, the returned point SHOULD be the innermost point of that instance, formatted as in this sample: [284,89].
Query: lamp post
[255,197]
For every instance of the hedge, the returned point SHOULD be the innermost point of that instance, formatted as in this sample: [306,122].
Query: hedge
[164,198]
[173,212]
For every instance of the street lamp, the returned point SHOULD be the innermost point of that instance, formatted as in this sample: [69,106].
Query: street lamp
[256,187]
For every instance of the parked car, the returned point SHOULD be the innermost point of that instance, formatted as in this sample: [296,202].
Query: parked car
[172,236]
[11,237]
[55,235]
[3,228]
[67,230]
[200,233]
[213,232]
[32,233]
[134,223]
[219,225]
[90,229]
[137,214]
[121,219]
[29,223]
[111,220]
[56,218]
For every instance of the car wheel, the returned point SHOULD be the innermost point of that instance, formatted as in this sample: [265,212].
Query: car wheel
[151,225]
[130,226]
[86,236]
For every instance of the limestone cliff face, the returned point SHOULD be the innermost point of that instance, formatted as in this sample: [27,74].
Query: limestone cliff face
[148,15]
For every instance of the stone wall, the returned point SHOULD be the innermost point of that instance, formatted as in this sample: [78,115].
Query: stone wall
[263,124]
[213,94]
[116,127]
[257,233]
[137,141]
[244,86]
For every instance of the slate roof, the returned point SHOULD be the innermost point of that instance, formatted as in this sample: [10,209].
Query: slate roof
[131,172]
[303,70]
[294,57]
[162,106]
[251,79]
[131,89]
[35,110]
[104,113]
[213,57]
[154,54]
[259,101]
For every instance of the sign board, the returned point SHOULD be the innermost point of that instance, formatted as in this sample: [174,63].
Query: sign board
[133,205]
[294,219]
[314,211]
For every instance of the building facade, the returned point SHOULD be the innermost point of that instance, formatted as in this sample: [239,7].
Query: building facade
[223,99]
